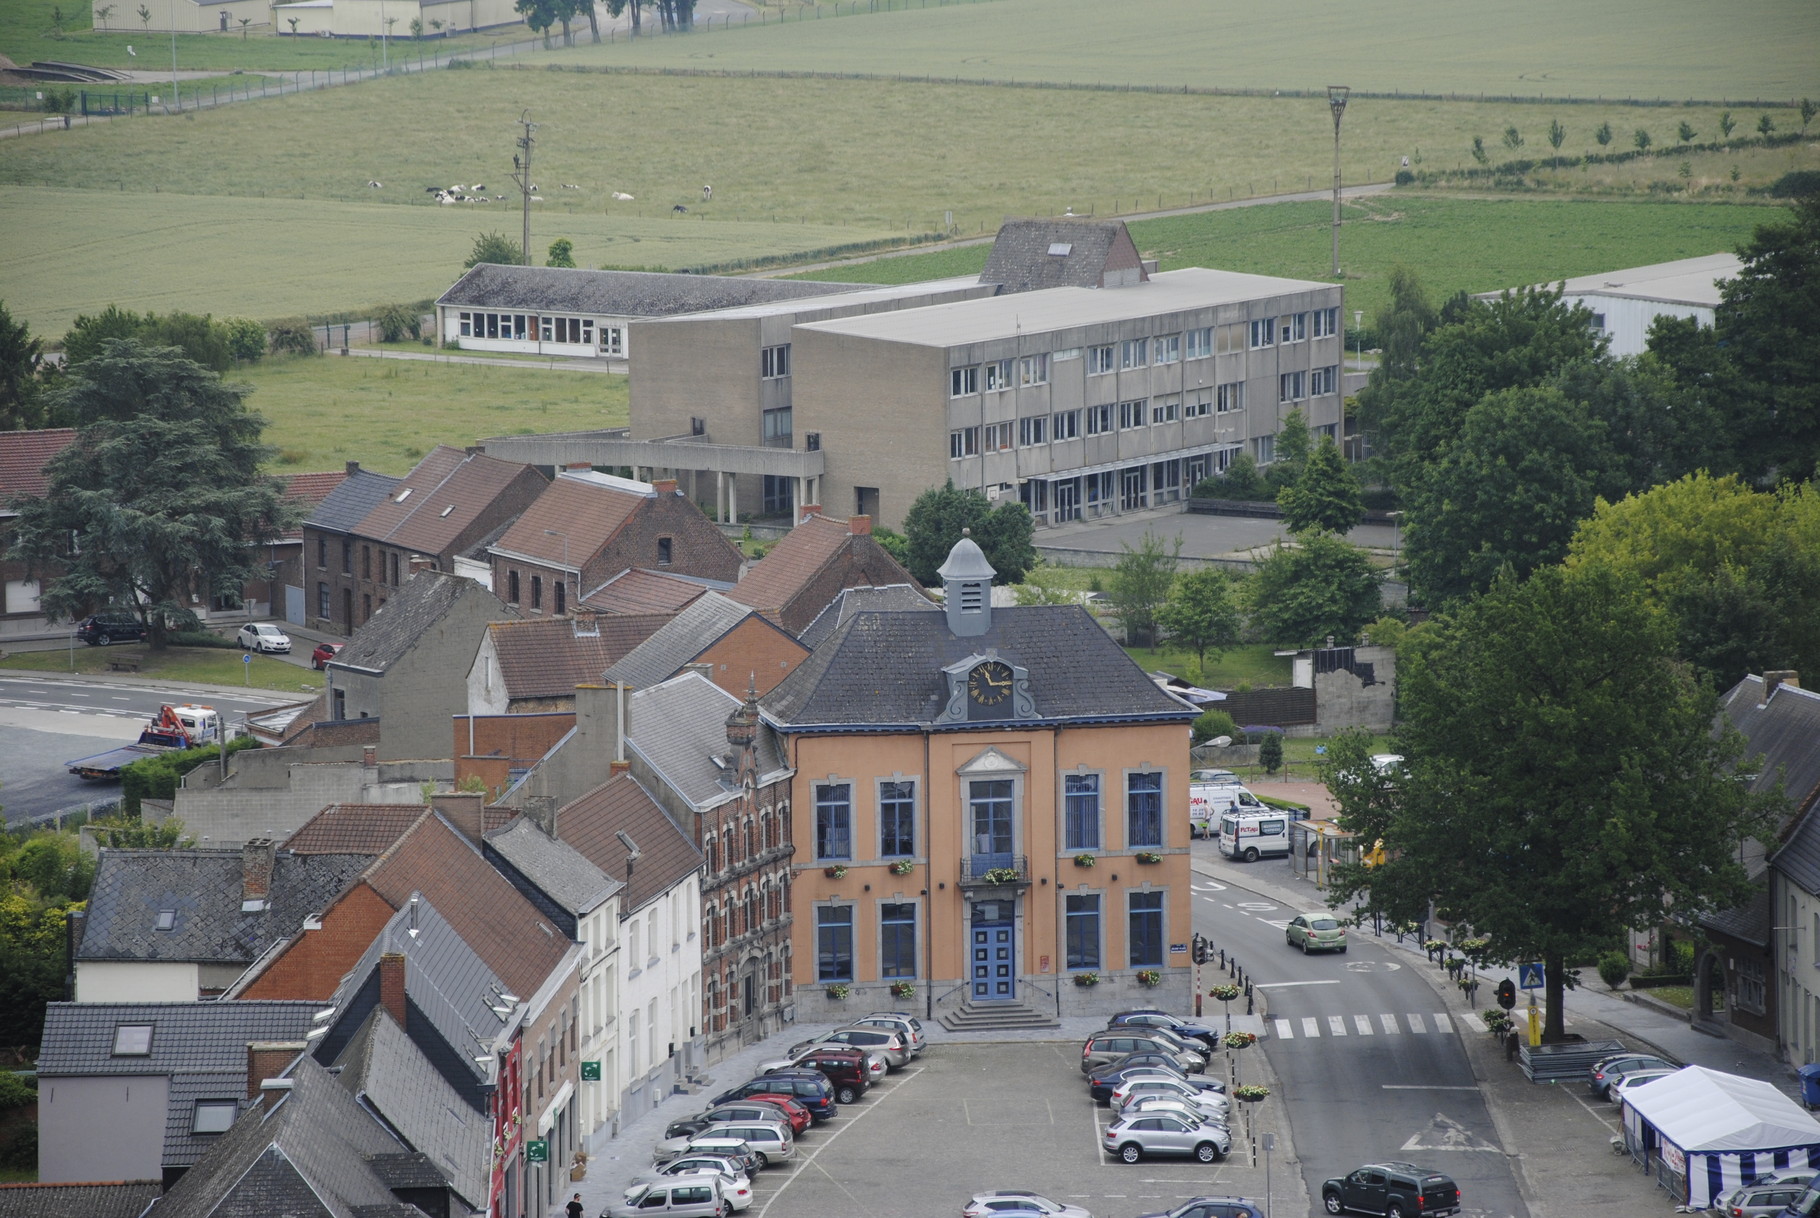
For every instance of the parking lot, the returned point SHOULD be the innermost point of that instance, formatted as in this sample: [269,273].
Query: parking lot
[965,1118]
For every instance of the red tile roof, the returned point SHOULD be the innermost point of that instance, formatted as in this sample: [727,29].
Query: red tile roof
[549,657]
[355,828]
[641,591]
[23,456]
[592,825]
[817,558]
[309,490]
[586,513]
[439,499]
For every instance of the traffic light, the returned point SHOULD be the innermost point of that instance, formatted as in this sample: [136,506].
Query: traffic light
[1507,994]
[1201,950]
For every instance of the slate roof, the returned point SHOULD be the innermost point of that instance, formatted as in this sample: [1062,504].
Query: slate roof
[593,822]
[620,293]
[203,890]
[396,625]
[309,490]
[549,657]
[640,591]
[791,568]
[894,597]
[587,509]
[558,870]
[200,1047]
[883,672]
[305,1158]
[1786,732]
[342,510]
[122,1199]
[388,1072]
[680,727]
[1023,257]
[23,456]
[503,928]
[367,829]
[679,640]
[439,500]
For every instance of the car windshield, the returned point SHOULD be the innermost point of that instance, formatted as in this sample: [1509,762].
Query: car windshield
[1323,924]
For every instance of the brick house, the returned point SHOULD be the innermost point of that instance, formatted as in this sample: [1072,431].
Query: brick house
[23,456]
[449,503]
[532,666]
[641,591]
[813,564]
[586,527]
[329,546]
[732,643]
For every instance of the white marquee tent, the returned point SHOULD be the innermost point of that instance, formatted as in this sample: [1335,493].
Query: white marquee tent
[1702,1132]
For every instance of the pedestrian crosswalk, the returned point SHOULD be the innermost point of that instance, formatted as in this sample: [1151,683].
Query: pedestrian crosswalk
[1311,1027]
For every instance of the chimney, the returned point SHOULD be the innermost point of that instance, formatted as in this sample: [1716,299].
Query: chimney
[1781,676]
[664,486]
[616,768]
[809,509]
[391,984]
[273,1090]
[461,809]
[369,756]
[420,563]
[579,467]
[353,468]
[73,922]
[268,1059]
[603,716]
[542,810]
[476,450]
[859,526]
[256,860]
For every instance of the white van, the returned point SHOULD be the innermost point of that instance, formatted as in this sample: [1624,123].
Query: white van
[1213,792]
[1254,835]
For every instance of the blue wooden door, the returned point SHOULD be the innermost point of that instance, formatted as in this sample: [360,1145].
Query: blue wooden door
[994,966]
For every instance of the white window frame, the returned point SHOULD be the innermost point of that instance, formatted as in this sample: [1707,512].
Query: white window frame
[1099,419]
[1134,353]
[1032,370]
[1166,409]
[1263,333]
[1032,431]
[1292,387]
[1134,413]
[963,382]
[1100,360]
[774,362]
[1200,404]
[1167,349]
[998,375]
[963,442]
[1322,381]
[999,437]
[1230,396]
[1066,425]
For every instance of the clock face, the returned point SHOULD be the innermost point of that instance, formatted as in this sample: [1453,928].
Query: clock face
[990,683]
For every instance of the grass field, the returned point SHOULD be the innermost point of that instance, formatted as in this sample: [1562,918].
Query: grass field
[203,665]
[386,413]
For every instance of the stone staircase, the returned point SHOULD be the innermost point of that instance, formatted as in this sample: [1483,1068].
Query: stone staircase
[996,1017]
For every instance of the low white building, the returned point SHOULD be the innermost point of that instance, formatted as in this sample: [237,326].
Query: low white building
[1626,303]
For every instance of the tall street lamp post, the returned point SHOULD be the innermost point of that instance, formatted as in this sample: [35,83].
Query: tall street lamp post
[1358,335]
[1336,101]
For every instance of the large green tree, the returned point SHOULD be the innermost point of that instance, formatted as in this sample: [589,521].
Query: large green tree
[161,496]
[1200,612]
[1566,783]
[1326,495]
[936,521]
[200,339]
[21,361]
[1318,586]
[1140,584]
[1400,326]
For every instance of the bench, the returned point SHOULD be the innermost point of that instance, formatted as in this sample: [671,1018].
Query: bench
[123,665]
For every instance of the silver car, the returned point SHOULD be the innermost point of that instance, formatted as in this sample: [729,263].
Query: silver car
[909,1029]
[735,1185]
[1017,1201]
[867,1040]
[1769,1196]
[1175,1089]
[771,1141]
[1104,1048]
[681,1196]
[1132,1137]
[1205,1110]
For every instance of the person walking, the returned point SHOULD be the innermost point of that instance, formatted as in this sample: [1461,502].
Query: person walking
[575,1208]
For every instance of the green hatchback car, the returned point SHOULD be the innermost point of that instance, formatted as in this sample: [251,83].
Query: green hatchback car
[1316,932]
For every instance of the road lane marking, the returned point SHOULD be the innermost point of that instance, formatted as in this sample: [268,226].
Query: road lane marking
[1336,1025]
[1363,1023]
[1311,1027]
[1443,1023]
[1415,1023]
[1390,1024]
[1283,985]
[1423,1087]
[1283,1030]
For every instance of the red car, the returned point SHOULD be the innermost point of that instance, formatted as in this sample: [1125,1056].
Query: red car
[319,659]
[799,1116]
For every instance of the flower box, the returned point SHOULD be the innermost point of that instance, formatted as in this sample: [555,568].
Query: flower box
[836,872]
[1225,993]
[1086,979]
[1002,875]
[1149,857]
[839,991]
[902,867]
[903,989]
[1239,1040]
[1084,860]
[1150,977]
[1250,1093]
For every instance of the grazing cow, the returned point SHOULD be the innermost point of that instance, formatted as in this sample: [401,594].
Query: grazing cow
[679,210]
[707,192]
[622,196]
[375,185]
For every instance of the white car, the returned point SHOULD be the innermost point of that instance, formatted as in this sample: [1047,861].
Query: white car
[1017,1201]
[1212,1108]
[1188,1093]
[1636,1078]
[263,636]
[735,1185]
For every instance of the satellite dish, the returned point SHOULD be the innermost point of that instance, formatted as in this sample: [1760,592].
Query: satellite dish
[1220,742]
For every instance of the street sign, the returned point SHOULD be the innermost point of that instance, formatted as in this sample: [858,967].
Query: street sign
[537,1152]
[1530,976]
[590,1072]
[1178,947]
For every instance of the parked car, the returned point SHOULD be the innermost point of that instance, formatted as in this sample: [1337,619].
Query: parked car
[104,629]
[1762,1199]
[751,1109]
[1633,1079]
[1133,1137]
[907,1028]
[264,637]
[1106,1047]
[678,1135]
[1608,1070]
[800,1117]
[731,1149]
[1207,1101]
[319,659]
[1213,1207]
[735,1185]
[1101,1085]
[1392,1188]
[1013,1200]
[872,1040]
[771,1141]
[1316,932]
[1150,1105]
[682,1197]
[1150,1017]
[811,1089]
[1158,1060]
[852,1071]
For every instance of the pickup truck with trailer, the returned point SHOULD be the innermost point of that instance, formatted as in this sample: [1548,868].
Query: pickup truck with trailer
[173,727]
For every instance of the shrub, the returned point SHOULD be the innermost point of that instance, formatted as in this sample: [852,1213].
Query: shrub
[396,320]
[1270,752]
[1796,184]
[1405,178]
[19,1147]
[1614,968]
[246,339]
[292,337]
[1214,723]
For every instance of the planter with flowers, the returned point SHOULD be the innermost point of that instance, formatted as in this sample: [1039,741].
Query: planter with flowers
[1150,977]
[1250,1093]
[1239,1040]
[1084,860]
[1086,979]
[903,989]
[1149,857]
[1001,875]
[839,991]
[836,872]
[902,867]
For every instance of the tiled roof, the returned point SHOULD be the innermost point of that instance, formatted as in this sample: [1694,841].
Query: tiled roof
[366,829]
[680,728]
[621,293]
[384,1067]
[592,825]
[642,591]
[503,928]
[1031,254]
[549,657]
[896,597]
[124,1199]
[558,870]
[308,1157]
[812,560]
[1785,730]
[201,890]
[883,671]
[679,640]
[348,504]
[23,456]
[396,625]
[439,499]
[582,513]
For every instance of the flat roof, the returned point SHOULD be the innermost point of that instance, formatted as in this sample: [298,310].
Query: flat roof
[1691,281]
[860,297]
[972,321]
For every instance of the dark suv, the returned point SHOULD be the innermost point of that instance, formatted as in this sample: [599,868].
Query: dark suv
[845,1068]
[105,628]
[1395,1190]
[810,1088]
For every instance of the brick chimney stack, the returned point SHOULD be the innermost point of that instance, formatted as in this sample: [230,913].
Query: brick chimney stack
[257,858]
[268,1059]
[391,984]
[664,486]
[421,563]
[353,468]
[859,526]
[809,509]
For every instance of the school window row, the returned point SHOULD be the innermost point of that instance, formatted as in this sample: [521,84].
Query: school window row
[1299,386]
[1100,420]
[519,327]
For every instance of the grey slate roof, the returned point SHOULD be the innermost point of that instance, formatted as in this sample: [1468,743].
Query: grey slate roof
[1786,732]
[883,672]
[348,504]
[389,1073]
[621,293]
[680,727]
[397,625]
[203,889]
[125,1199]
[199,1046]
[1022,261]
[685,636]
[555,867]
[892,597]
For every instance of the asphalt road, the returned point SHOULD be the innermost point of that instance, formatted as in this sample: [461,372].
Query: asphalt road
[1370,1065]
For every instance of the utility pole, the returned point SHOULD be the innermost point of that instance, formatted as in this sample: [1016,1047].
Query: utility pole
[521,173]
[1336,101]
